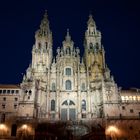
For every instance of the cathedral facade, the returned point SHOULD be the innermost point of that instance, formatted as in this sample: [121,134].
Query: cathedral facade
[68,86]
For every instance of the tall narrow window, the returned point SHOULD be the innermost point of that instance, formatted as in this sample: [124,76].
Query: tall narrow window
[4,98]
[52,105]
[83,87]
[68,71]
[46,43]
[53,87]
[16,99]
[91,46]
[15,106]
[39,45]
[83,105]
[68,85]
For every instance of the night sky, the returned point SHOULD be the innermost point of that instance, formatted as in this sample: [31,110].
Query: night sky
[118,21]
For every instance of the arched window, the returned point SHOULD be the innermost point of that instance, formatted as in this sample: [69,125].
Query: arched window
[91,46]
[52,105]
[65,103]
[68,85]
[68,102]
[71,103]
[53,87]
[83,105]
[97,45]
[68,71]
[46,44]
[83,87]
[39,45]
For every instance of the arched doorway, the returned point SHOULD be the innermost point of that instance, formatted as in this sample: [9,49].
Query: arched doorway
[14,130]
[68,111]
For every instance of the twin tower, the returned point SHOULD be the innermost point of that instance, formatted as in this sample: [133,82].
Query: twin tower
[67,86]
[42,53]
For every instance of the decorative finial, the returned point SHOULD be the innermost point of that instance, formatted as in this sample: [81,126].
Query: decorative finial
[68,35]
[44,22]
[68,32]
[46,15]
[90,21]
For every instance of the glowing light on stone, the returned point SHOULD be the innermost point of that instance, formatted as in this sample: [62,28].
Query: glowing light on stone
[24,126]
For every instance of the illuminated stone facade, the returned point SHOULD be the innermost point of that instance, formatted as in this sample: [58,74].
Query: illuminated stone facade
[69,86]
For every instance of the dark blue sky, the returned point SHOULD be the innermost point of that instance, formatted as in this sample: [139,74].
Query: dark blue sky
[118,21]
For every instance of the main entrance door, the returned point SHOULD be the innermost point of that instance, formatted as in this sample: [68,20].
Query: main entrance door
[68,111]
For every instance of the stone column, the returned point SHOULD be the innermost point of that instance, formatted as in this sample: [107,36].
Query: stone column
[88,96]
[57,94]
[78,93]
[48,94]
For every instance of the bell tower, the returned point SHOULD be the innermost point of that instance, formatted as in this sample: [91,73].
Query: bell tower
[42,49]
[94,52]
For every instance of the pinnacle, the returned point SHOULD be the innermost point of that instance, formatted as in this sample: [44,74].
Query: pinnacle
[68,32]
[68,37]
[44,22]
[91,21]
[45,15]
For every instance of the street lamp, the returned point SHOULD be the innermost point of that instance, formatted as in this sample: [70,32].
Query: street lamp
[3,129]
[112,131]
[25,129]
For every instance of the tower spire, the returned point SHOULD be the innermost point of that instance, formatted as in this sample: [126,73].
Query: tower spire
[44,26]
[43,44]
[45,21]
[90,22]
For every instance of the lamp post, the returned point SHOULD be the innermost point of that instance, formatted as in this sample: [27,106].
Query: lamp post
[112,131]
[24,128]
[3,129]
